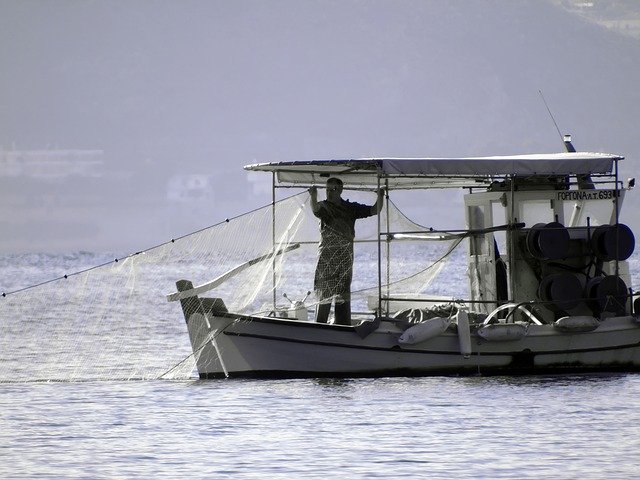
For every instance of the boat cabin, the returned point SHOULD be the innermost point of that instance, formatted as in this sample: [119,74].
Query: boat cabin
[544,231]
[563,247]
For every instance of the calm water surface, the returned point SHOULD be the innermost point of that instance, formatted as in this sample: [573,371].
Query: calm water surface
[583,426]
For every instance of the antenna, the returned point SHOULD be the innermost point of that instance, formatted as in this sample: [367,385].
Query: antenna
[551,115]
[584,180]
[566,139]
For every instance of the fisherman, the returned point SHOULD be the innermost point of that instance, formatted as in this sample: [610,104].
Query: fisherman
[332,281]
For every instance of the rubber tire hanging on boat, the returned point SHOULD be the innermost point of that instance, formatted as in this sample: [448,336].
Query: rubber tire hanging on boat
[548,241]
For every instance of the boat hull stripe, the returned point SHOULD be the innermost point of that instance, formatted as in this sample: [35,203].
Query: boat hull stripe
[398,349]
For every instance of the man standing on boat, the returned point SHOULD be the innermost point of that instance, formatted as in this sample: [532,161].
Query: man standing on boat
[335,253]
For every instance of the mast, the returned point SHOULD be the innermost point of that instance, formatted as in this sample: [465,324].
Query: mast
[273,235]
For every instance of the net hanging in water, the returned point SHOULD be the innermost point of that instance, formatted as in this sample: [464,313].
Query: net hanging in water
[114,322]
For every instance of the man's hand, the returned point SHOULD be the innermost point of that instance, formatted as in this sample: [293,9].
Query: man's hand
[313,194]
[375,209]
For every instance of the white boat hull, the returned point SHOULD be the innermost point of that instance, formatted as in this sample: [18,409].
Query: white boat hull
[231,345]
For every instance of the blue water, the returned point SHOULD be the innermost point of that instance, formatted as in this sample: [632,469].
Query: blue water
[579,426]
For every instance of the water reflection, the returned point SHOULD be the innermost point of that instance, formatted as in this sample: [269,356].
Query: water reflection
[334,383]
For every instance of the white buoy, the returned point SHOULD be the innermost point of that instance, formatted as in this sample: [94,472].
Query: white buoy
[424,331]
[502,332]
[580,323]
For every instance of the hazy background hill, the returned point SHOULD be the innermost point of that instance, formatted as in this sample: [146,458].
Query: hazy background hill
[124,124]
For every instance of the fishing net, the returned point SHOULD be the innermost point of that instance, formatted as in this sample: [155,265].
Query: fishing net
[113,321]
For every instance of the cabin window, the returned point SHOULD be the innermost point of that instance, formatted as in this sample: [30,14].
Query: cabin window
[536,211]
[598,212]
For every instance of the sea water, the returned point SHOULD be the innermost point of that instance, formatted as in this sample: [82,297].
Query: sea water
[566,426]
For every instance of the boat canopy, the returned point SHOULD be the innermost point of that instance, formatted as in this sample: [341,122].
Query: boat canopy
[407,173]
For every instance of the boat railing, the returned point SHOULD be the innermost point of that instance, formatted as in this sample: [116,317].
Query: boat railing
[512,308]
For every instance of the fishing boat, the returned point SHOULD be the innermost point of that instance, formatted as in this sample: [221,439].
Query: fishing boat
[549,283]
